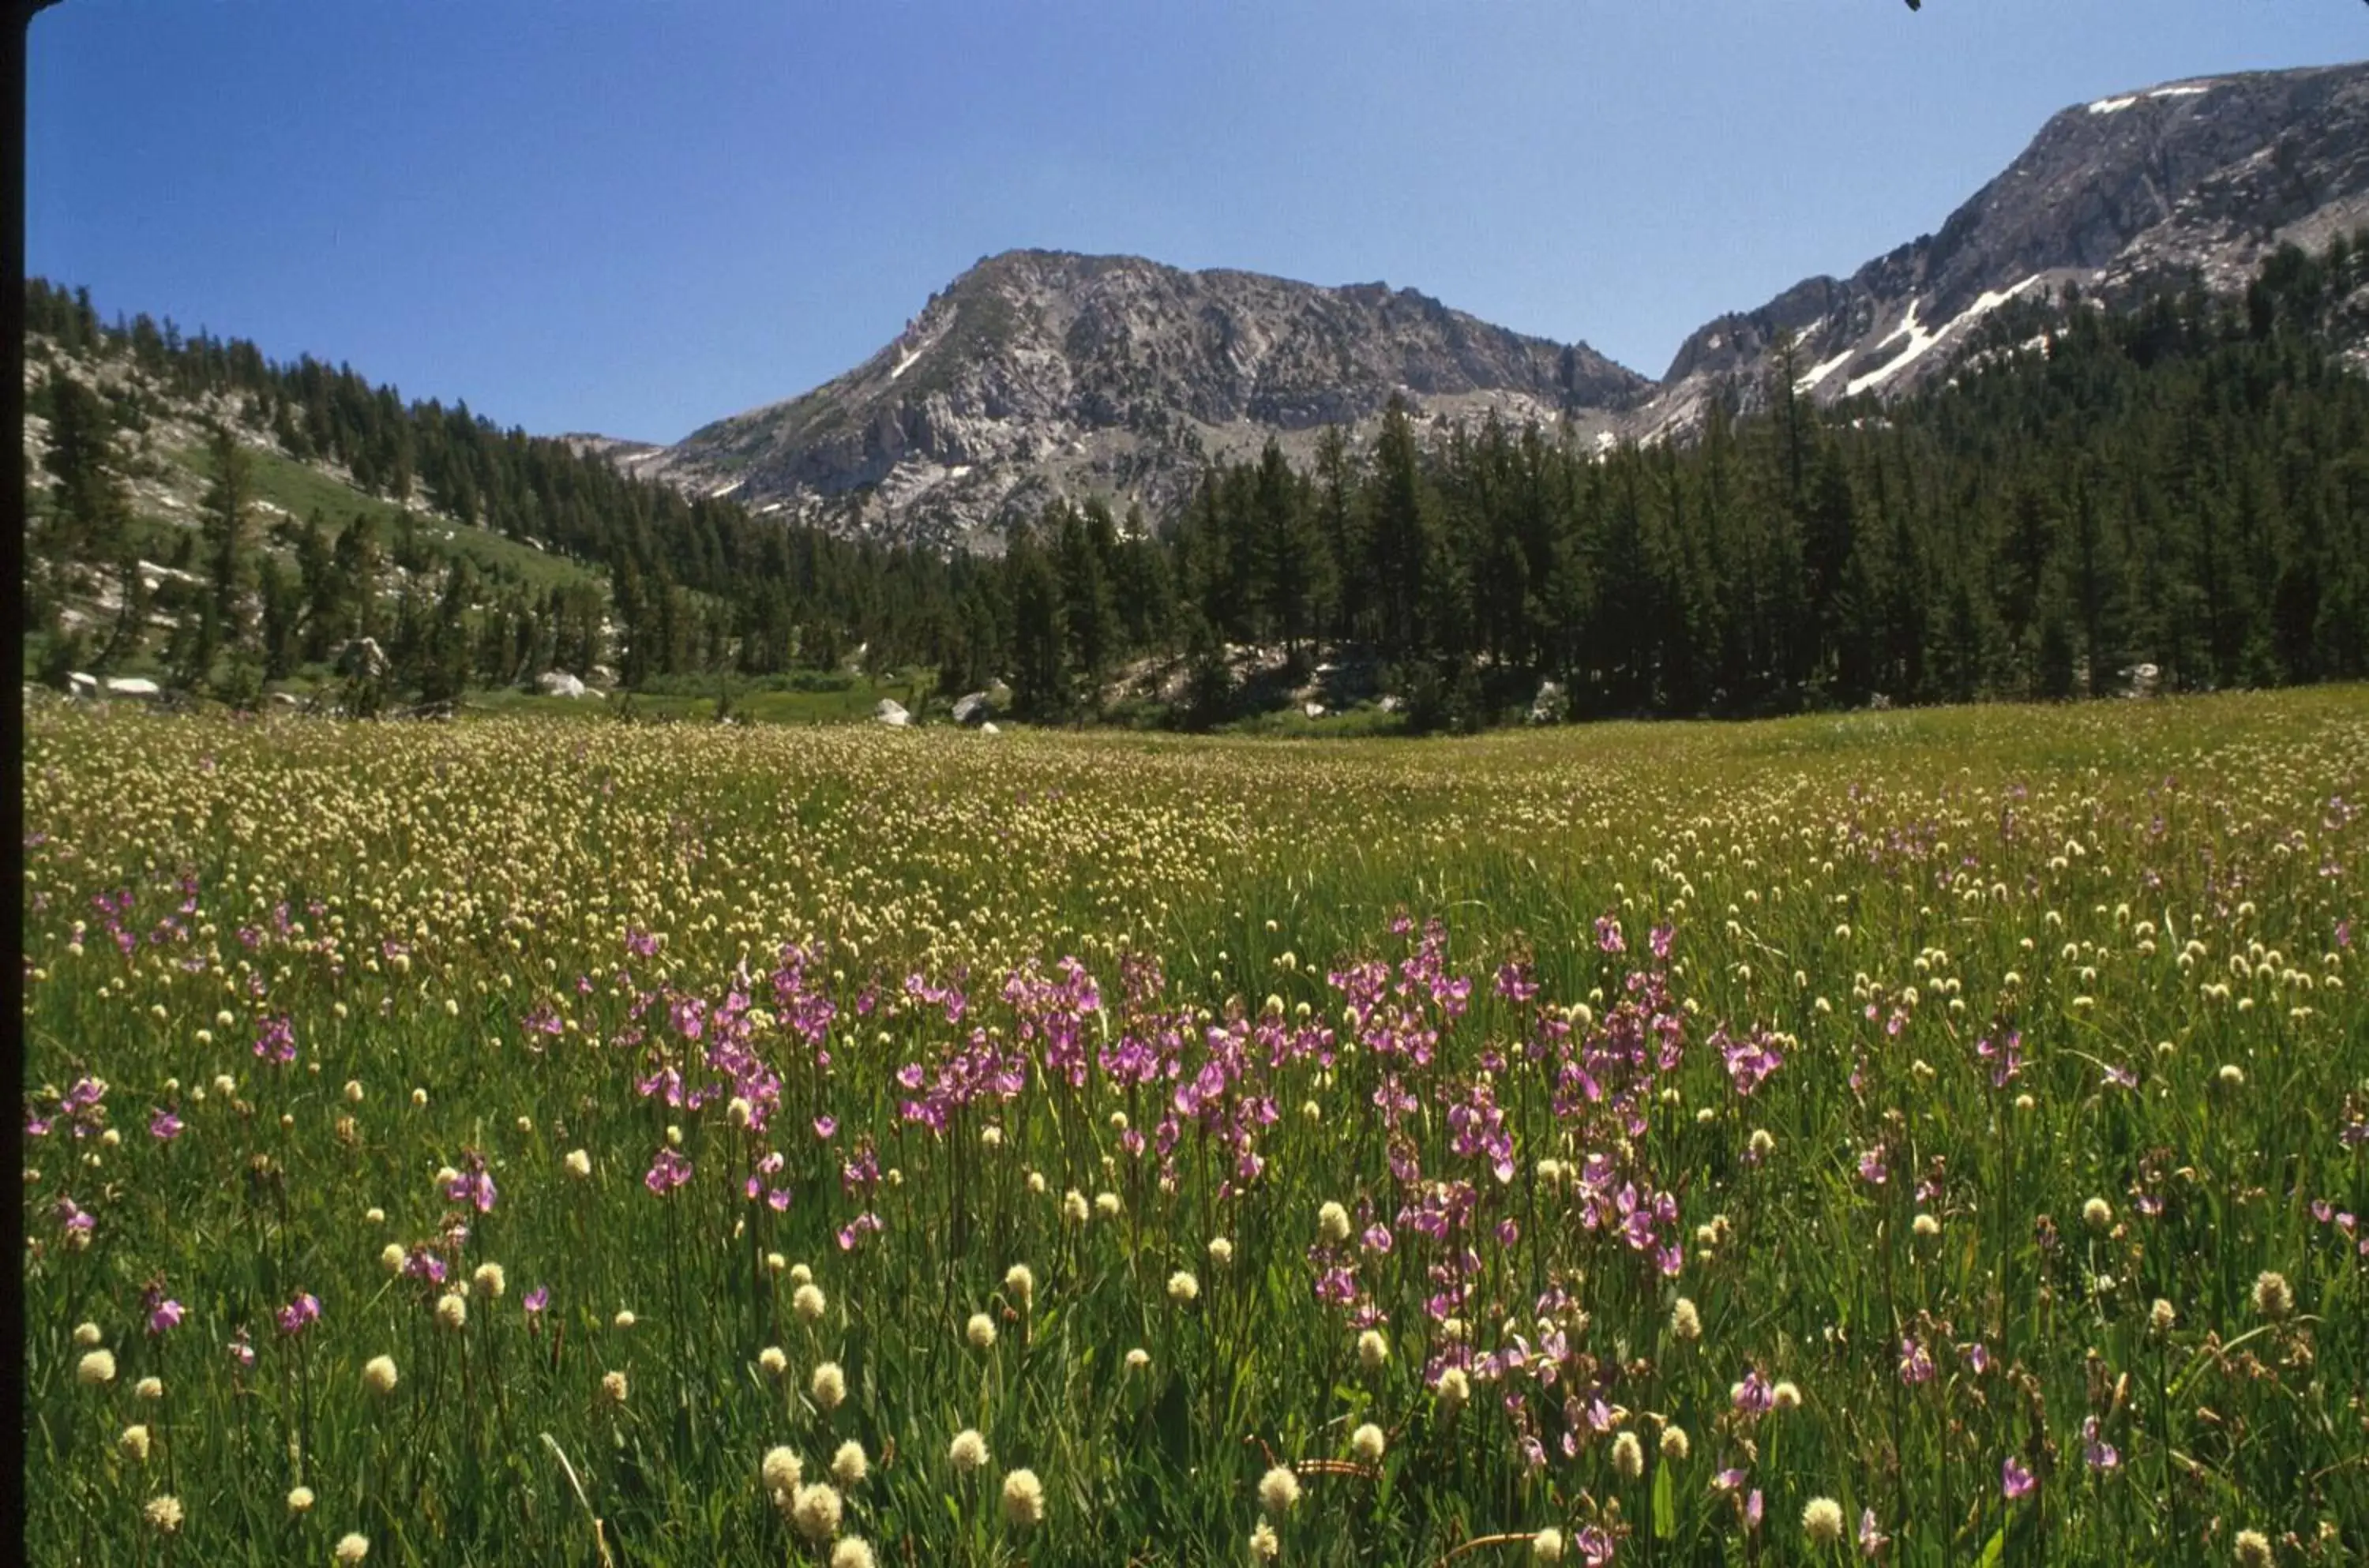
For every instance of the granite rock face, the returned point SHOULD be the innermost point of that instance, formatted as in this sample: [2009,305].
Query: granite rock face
[2195,181]
[1040,374]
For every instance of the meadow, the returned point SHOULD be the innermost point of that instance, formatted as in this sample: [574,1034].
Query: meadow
[1927,1136]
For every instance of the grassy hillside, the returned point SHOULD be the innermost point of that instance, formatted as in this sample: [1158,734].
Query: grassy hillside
[290,491]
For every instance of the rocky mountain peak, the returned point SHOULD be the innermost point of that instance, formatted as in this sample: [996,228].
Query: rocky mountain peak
[2194,181]
[1038,374]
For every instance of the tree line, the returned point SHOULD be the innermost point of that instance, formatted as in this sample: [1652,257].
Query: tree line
[2175,494]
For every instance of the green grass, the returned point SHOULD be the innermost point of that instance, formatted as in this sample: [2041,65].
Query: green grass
[2158,902]
[299,490]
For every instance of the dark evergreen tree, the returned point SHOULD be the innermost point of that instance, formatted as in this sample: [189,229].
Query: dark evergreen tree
[223,522]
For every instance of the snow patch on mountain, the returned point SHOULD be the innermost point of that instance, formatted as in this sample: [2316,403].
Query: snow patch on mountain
[1820,372]
[1920,340]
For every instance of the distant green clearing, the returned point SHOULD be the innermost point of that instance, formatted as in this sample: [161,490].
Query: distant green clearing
[300,491]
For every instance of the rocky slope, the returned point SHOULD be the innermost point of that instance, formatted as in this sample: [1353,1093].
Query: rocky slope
[2191,181]
[1040,374]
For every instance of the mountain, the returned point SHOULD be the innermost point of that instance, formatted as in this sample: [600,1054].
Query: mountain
[2197,180]
[1040,374]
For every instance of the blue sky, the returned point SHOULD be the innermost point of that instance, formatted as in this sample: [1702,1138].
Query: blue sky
[634,216]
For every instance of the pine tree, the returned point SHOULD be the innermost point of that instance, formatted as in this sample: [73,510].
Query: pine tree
[283,609]
[222,521]
[89,512]
[1040,654]
[1290,564]
[1401,543]
[316,581]
[1084,542]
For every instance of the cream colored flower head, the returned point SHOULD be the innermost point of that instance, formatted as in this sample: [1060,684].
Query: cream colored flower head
[850,1465]
[1278,1490]
[967,1452]
[815,1510]
[779,1470]
[1023,1499]
[828,1387]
